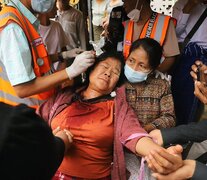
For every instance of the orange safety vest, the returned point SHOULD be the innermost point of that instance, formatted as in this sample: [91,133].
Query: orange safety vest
[155,28]
[40,63]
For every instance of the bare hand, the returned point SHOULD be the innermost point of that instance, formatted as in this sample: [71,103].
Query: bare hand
[157,136]
[203,69]
[65,135]
[163,161]
[200,91]
[184,172]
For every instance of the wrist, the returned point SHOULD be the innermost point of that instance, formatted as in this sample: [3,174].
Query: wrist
[60,57]
[69,72]
[191,164]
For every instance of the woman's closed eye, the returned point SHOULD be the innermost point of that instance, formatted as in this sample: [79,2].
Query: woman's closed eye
[116,72]
[105,66]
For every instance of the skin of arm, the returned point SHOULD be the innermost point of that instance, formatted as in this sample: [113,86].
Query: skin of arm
[40,84]
[167,64]
[184,172]
[168,161]
[156,134]
[165,161]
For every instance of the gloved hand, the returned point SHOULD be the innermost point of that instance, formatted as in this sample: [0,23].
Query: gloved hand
[71,53]
[80,64]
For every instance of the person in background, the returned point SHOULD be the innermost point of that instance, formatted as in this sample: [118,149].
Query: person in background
[28,149]
[102,124]
[150,97]
[112,4]
[187,12]
[98,14]
[25,75]
[182,134]
[73,24]
[53,36]
[143,22]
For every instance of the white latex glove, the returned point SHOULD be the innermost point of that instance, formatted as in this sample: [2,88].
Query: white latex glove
[71,53]
[81,64]
[162,76]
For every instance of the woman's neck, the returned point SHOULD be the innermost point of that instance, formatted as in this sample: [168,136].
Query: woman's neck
[90,93]
[146,12]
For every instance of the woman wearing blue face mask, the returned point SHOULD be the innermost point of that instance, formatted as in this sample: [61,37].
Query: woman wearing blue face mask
[149,96]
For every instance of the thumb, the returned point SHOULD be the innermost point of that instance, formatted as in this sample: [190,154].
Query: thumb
[179,148]
[55,131]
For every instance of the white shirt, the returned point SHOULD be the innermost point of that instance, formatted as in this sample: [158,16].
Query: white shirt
[73,24]
[99,12]
[110,7]
[185,23]
[53,37]
[15,54]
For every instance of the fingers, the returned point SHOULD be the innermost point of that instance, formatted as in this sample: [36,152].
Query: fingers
[69,135]
[175,150]
[194,75]
[163,162]
[87,55]
[78,50]
[160,177]
[194,68]
[55,131]
[154,165]
[200,91]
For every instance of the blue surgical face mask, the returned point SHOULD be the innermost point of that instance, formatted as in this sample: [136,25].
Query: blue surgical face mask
[134,76]
[42,6]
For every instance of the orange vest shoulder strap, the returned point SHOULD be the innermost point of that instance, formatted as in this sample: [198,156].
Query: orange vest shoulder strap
[9,15]
[156,27]
[128,35]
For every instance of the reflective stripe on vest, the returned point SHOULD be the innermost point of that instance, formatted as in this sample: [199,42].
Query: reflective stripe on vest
[40,58]
[155,28]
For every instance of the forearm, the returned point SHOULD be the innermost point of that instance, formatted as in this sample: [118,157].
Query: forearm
[145,145]
[41,84]
[183,133]
[167,64]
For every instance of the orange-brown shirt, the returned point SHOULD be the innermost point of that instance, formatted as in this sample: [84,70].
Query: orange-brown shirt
[92,126]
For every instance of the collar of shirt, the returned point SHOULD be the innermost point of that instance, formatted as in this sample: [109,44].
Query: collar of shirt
[31,17]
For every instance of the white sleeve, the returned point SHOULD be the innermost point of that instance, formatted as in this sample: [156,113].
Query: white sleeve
[180,17]
[15,55]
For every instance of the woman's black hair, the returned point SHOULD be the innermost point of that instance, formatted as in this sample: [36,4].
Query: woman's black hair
[152,48]
[108,54]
